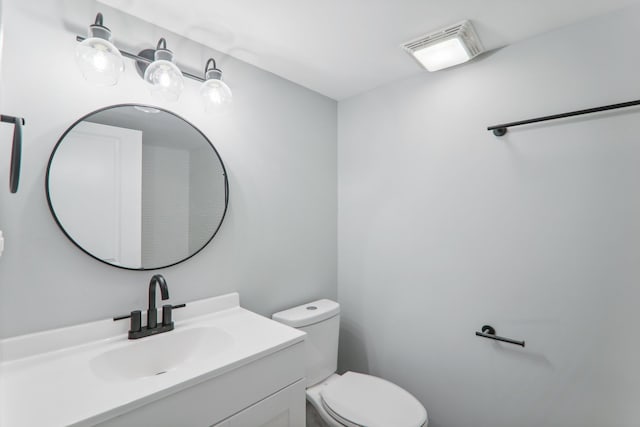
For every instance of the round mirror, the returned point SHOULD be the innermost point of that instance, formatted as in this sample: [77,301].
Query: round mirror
[137,187]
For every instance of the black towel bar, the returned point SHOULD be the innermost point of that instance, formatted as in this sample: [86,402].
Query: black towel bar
[500,130]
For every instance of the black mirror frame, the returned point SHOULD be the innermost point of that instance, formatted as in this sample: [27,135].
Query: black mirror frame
[46,185]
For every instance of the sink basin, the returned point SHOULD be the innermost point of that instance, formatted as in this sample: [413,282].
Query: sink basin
[159,354]
[89,374]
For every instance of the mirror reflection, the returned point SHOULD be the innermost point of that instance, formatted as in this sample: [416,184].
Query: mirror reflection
[137,187]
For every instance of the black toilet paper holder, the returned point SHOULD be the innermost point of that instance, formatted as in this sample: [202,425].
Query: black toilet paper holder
[489,332]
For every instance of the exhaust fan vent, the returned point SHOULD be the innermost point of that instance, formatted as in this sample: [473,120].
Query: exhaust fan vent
[444,48]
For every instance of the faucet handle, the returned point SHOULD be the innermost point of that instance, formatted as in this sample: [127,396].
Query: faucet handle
[166,315]
[136,321]
[124,316]
[128,316]
[167,310]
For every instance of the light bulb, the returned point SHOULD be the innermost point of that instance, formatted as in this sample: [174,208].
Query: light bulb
[163,76]
[215,97]
[164,79]
[99,60]
[214,92]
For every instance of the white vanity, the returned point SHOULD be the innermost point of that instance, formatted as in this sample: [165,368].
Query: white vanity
[222,366]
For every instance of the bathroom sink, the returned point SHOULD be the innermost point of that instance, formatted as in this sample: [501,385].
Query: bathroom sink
[84,375]
[160,354]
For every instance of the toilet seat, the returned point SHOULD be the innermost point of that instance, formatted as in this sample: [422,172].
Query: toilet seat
[357,400]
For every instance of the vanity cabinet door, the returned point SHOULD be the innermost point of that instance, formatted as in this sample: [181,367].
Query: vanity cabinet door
[285,408]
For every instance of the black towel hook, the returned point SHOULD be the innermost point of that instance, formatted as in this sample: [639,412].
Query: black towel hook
[16,150]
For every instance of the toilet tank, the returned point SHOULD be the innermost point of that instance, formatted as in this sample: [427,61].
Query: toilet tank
[321,321]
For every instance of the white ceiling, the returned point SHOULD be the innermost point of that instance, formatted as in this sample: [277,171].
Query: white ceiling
[343,47]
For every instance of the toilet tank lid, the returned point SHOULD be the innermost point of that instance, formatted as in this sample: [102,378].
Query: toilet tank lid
[308,314]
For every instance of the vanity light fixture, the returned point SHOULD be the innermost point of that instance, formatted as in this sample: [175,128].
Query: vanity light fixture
[101,63]
[214,92]
[163,76]
[99,60]
[447,47]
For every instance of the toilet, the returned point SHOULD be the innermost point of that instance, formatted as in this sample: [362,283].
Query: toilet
[351,399]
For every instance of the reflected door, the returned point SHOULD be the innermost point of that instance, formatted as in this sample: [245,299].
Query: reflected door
[102,167]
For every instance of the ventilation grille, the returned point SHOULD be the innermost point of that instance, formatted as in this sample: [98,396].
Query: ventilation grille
[463,30]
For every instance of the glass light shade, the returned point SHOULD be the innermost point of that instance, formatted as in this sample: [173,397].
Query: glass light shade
[445,54]
[215,94]
[99,61]
[164,77]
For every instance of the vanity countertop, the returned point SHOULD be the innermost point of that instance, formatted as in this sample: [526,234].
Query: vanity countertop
[79,376]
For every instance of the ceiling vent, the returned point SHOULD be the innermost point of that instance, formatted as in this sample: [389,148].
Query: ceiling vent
[447,47]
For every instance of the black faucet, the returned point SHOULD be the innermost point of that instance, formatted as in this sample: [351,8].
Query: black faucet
[137,330]
[152,313]
[152,328]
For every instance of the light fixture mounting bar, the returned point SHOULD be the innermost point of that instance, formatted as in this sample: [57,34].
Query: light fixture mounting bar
[139,58]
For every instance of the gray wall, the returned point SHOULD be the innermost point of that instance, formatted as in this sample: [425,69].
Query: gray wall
[277,246]
[444,228]
[206,205]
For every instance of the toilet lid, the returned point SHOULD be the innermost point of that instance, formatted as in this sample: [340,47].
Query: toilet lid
[365,400]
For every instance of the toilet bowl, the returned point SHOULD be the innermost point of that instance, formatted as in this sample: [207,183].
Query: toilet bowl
[352,399]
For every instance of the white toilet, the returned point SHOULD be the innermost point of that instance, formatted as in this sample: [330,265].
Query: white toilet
[352,400]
